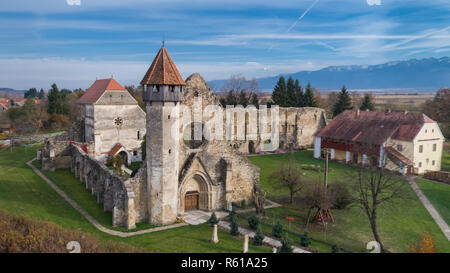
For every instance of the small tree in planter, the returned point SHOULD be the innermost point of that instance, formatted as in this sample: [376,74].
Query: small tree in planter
[253,222]
[277,230]
[286,246]
[259,236]
[305,240]
[234,226]
[213,219]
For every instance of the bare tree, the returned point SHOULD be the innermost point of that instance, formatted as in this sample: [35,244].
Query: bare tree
[289,175]
[375,186]
[259,198]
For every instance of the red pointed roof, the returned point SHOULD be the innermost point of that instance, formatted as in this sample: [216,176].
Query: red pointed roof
[97,89]
[163,71]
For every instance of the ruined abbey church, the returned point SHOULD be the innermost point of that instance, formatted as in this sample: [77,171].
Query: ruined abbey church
[176,175]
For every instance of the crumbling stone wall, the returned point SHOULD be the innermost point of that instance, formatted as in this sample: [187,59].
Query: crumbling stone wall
[55,152]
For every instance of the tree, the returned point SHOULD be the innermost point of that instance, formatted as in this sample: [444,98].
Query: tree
[344,102]
[298,95]
[253,222]
[334,249]
[288,175]
[234,226]
[308,97]
[41,94]
[286,246]
[367,103]
[439,109]
[291,99]
[31,93]
[259,198]
[259,236]
[426,245]
[240,91]
[305,240]
[374,187]
[279,93]
[56,103]
[277,230]
[213,220]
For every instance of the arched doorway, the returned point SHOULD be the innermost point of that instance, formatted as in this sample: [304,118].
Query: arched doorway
[124,155]
[195,193]
[251,147]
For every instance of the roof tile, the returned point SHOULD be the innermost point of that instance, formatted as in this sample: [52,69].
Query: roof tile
[163,70]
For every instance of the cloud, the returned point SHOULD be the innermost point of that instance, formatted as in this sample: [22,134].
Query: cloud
[73,2]
[373,2]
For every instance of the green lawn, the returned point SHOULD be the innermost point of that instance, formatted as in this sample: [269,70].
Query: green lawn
[400,224]
[22,192]
[445,164]
[439,196]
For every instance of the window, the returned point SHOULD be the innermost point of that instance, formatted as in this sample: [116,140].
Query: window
[428,161]
[135,153]
[426,131]
[433,162]
[171,88]
[420,148]
[432,130]
[434,147]
[420,164]
[155,88]
[138,134]
[400,147]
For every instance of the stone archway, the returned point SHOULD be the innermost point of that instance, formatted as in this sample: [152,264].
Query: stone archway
[195,193]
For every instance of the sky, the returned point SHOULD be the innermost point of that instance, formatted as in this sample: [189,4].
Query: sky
[73,42]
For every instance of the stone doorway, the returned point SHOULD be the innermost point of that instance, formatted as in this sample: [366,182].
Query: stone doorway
[191,200]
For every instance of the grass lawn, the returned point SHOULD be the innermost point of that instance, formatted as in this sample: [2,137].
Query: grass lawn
[445,163]
[22,192]
[400,224]
[439,196]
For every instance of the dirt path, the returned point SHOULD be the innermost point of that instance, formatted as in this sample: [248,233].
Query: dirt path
[433,212]
[91,219]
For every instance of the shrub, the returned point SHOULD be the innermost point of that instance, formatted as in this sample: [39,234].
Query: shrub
[286,246]
[243,203]
[334,249]
[426,245]
[23,235]
[213,220]
[253,222]
[234,226]
[259,236]
[305,240]
[342,196]
[277,230]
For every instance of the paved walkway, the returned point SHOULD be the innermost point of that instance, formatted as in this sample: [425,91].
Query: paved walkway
[434,213]
[267,240]
[91,219]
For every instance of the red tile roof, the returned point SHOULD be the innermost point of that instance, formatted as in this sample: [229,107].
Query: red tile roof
[374,127]
[163,71]
[115,149]
[97,89]
[397,156]
[4,105]
[4,100]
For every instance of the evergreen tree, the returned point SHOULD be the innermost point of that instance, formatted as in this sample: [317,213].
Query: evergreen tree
[308,97]
[234,226]
[279,93]
[41,94]
[334,249]
[53,100]
[259,236]
[286,246]
[31,93]
[243,99]
[367,103]
[344,102]
[254,100]
[290,93]
[298,94]
[277,230]
[305,240]
[213,219]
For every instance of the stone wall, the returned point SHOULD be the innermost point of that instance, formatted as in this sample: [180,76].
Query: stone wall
[124,198]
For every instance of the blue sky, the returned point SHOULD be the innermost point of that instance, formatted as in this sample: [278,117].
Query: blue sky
[48,41]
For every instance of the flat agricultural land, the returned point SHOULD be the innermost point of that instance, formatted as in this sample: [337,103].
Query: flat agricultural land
[22,192]
[400,223]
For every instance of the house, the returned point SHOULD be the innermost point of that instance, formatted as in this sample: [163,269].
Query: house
[410,143]
[113,121]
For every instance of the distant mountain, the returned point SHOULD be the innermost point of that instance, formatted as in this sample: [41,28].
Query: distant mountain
[10,91]
[425,74]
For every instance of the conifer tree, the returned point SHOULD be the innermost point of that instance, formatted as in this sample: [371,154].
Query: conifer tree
[213,219]
[367,103]
[290,93]
[234,226]
[259,236]
[279,93]
[305,240]
[298,94]
[344,102]
[277,230]
[286,246]
[308,97]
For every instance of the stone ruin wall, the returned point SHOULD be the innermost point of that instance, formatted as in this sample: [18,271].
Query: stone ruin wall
[126,199]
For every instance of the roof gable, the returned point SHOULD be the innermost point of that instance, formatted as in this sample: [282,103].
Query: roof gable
[97,89]
[163,71]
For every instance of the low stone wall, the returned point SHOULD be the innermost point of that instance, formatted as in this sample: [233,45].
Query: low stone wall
[112,191]
[439,176]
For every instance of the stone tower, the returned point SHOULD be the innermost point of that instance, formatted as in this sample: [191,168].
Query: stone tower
[163,91]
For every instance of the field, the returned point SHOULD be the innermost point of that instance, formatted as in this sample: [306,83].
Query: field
[400,224]
[22,192]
